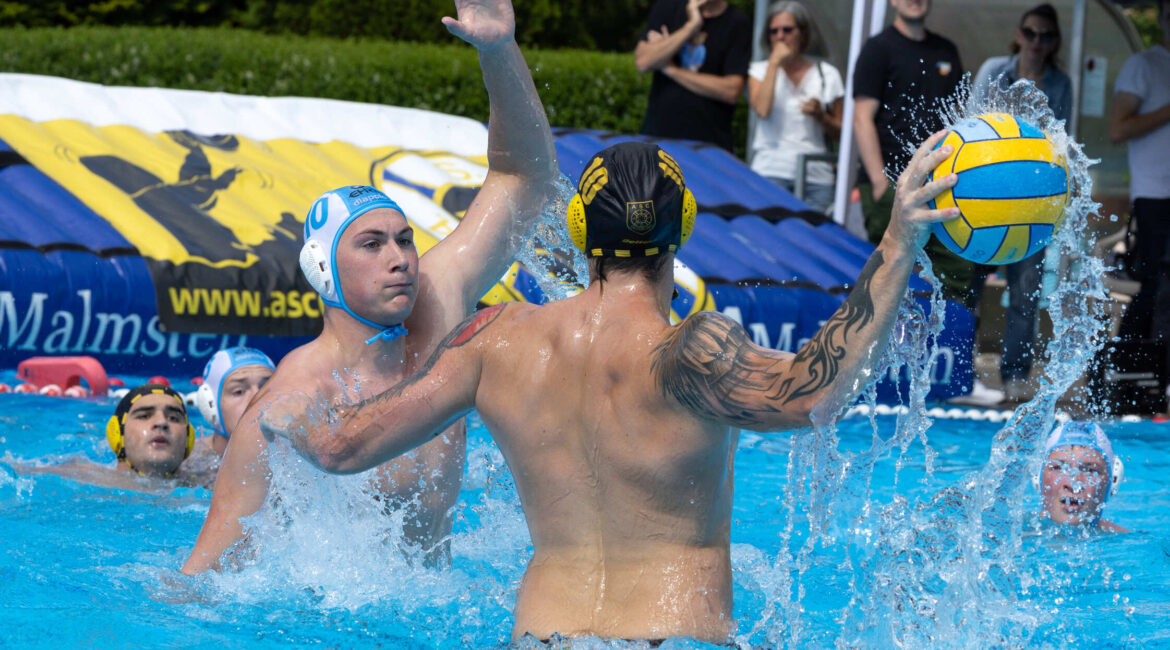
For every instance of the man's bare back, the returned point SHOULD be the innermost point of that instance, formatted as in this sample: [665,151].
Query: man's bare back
[618,426]
[627,496]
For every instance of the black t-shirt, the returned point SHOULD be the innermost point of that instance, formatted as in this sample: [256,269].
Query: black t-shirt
[725,49]
[911,80]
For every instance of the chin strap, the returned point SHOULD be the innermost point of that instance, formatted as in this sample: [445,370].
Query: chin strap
[388,334]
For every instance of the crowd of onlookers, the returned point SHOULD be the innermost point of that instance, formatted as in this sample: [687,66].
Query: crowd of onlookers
[700,50]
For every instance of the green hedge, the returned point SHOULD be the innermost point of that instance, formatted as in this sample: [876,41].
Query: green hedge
[579,88]
[607,25]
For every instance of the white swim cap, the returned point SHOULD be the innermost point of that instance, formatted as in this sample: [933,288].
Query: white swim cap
[1088,434]
[222,364]
[330,215]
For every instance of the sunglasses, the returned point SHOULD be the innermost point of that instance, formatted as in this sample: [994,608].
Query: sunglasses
[1032,35]
[787,29]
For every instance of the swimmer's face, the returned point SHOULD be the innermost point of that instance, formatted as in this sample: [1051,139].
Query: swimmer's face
[911,10]
[238,390]
[155,435]
[1074,484]
[377,266]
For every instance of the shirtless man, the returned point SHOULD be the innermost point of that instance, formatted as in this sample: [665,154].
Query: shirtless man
[374,278]
[620,429]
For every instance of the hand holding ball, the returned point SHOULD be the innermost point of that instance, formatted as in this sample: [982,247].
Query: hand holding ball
[1012,189]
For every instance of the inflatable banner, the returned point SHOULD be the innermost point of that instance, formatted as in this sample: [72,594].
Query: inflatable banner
[149,227]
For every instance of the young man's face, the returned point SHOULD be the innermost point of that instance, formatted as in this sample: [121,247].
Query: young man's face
[1074,484]
[238,390]
[913,11]
[377,266]
[155,435]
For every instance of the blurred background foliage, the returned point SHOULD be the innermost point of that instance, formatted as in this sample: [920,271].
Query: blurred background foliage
[604,25]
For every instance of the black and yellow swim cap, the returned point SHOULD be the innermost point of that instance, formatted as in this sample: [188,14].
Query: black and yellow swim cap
[116,426]
[632,201]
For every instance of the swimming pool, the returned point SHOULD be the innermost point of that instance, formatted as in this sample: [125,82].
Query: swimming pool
[895,560]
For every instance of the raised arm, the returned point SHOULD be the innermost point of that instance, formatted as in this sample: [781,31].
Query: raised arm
[709,365]
[350,439]
[522,162]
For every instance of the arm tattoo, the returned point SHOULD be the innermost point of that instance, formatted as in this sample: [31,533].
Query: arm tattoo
[461,335]
[822,355]
[709,366]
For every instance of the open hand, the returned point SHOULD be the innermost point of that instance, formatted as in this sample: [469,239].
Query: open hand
[485,24]
[694,15]
[911,219]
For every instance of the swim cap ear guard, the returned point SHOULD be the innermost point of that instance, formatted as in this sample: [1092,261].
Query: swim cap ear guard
[631,201]
[222,364]
[116,425]
[330,215]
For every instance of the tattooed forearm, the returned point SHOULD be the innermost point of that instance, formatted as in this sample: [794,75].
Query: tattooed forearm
[460,336]
[709,366]
[821,357]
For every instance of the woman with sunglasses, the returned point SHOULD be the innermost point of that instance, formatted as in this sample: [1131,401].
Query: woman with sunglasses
[799,102]
[1033,58]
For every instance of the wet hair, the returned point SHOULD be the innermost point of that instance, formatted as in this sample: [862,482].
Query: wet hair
[1047,12]
[800,16]
[651,267]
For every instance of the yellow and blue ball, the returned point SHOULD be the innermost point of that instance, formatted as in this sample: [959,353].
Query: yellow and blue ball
[1011,192]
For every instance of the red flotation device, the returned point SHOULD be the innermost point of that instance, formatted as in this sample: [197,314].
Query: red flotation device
[65,372]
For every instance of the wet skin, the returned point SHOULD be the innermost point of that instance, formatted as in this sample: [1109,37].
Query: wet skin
[1074,485]
[384,280]
[155,435]
[620,429]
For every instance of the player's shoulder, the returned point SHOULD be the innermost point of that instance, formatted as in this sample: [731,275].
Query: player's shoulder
[303,367]
[705,332]
[494,320]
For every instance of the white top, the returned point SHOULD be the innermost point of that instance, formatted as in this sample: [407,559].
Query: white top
[1147,75]
[786,131]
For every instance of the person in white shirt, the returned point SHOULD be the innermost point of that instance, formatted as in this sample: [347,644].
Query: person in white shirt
[1141,119]
[799,102]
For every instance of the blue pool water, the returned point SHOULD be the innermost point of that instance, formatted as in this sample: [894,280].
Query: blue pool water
[92,567]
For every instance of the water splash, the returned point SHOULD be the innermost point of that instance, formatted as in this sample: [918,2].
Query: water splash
[548,252]
[942,568]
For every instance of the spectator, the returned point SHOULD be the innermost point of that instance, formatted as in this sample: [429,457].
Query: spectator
[904,78]
[1034,49]
[699,51]
[1080,473]
[799,103]
[231,378]
[1141,118]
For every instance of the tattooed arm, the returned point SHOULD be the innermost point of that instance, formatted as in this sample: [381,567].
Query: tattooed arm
[351,439]
[709,365]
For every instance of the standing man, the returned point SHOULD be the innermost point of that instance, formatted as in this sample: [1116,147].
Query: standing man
[699,51]
[1141,119]
[904,78]
[386,309]
[619,428]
